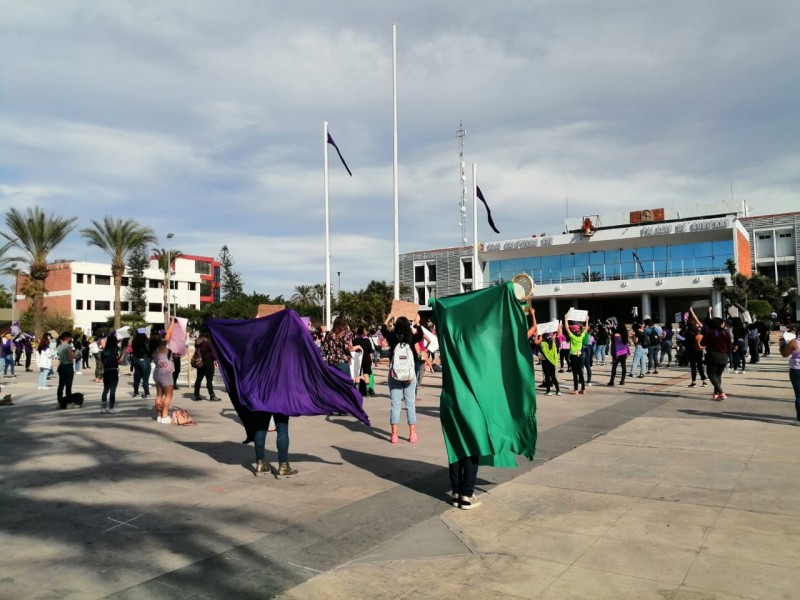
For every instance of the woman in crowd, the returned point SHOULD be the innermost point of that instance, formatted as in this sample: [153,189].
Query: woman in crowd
[162,375]
[548,348]
[111,357]
[620,350]
[205,368]
[666,344]
[717,342]
[790,348]
[363,341]
[400,391]
[44,358]
[576,335]
[695,348]
[140,352]
[337,346]
[639,352]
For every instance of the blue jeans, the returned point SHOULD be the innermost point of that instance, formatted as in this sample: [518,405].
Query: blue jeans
[639,355]
[652,358]
[9,362]
[43,373]
[398,392]
[794,377]
[260,436]
[141,374]
[600,353]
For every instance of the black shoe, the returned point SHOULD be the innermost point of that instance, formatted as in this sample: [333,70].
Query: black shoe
[197,398]
[610,383]
[214,399]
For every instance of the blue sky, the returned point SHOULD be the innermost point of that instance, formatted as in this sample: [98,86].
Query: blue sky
[204,119]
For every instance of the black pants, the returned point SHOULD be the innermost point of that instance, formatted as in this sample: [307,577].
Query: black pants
[563,356]
[753,347]
[549,373]
[176,362]
[622,361]
[66,373]
[206,371]
[577,371]
[463,474]
[716,362]
[110,382]
[696,364]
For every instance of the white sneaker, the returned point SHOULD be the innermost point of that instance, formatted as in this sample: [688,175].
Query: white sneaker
[548,393]
[103,409]
[558,393]
[113,411]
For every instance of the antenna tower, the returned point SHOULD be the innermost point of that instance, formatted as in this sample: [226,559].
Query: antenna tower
[462,205]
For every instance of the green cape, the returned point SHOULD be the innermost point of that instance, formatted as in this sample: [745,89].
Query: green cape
[488,402]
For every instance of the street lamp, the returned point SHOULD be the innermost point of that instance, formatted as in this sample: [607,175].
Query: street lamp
[169,274]
[14,291]
[339,274]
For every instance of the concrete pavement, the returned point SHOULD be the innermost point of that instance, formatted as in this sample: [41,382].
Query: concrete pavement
[646,491]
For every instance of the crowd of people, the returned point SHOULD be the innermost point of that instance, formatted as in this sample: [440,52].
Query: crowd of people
[709,347]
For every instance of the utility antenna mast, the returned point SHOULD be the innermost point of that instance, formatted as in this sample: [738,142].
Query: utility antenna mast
[462,205]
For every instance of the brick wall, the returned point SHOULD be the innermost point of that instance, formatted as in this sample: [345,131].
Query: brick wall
[744,259]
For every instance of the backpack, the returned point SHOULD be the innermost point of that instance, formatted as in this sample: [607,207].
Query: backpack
[646,340]
[655,339]
[402,367]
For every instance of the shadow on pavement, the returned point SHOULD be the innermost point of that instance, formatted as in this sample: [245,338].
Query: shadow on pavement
[739,416]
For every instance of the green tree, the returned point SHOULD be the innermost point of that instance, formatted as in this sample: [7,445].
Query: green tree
[138,263]
[165,259]
[5,297]
[366,307]
[117,237]
[303,296]
[50,321]
[230,279]
[37,235]
[760,309]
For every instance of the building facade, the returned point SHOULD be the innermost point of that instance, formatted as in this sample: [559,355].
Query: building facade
[651,262]
[84,291]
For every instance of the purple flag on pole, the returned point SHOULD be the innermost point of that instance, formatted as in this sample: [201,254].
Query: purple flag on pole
[332,143]
[488,212]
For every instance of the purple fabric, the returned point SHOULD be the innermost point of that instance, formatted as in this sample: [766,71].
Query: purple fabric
[272,365]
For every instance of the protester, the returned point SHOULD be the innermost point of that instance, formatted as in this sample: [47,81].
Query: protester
[162,376]
[66,368]
[363,341]
[142,363]
[205,368]
[639,352]
[576,334]
[261,424]
[620,350]
[666,344]
[111,357]
[44,358]
[789,346]
[7,350]
[548,347]
[717,342]
[402,389]
[337,346]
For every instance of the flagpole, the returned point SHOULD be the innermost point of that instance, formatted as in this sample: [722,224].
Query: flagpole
[327,314]
[395,183]
[475,265]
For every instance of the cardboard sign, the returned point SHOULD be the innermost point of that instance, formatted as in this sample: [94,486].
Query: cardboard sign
[401,308]
[549,327]
[576,314]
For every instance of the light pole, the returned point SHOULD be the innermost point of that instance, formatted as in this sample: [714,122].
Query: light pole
[14,292]
[339,274]
[169,274]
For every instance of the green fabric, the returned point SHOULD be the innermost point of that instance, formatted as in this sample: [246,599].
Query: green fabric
[488,401]
[575,342]
[550,350]
[372,381]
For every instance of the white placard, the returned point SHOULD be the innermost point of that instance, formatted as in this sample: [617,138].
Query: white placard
[433,341]
[549,327]
[575,314]
[789,336]
[123,332]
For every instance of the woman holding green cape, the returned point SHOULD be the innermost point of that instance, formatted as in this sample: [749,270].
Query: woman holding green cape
[488,401]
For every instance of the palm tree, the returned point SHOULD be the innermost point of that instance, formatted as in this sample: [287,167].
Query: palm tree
[165,260]
[37,235]
[303,296]
[118,237]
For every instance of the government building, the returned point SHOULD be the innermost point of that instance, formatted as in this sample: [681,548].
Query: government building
[653,262]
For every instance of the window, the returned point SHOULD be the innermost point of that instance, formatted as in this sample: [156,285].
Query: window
[102,305]
[421,295]
[125,282]
[789,270]
[78,277]
[173,285]
[419,273]
[153,284]
[78,304]
[467,269]
[205,288]
[88,279]
[431,271]
[154,307]
[192,286]
[102,280]
[193,306]
[466,287]
[124,306]
[88,305]
[203,268]
[784,245]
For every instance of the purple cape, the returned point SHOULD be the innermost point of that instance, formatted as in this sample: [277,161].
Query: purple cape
[272,365]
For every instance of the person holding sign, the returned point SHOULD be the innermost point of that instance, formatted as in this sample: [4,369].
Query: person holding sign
[790,348]
[548,347]
[575,336]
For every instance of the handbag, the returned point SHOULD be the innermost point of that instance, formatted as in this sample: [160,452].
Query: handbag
[197,360]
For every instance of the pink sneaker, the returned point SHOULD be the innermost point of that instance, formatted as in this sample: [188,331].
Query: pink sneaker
[395,439]
[413,438]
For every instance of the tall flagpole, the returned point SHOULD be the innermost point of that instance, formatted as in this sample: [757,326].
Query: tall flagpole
[475,265]
[327,228]
[395,183]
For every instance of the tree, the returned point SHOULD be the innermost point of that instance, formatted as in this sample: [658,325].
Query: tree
[138,263]
[165,260]
[231,281]
[367,307]
[303,296]
[117,237]
[50,322]
[37,235]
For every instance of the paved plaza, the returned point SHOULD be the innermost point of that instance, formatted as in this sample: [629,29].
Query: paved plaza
[651,490]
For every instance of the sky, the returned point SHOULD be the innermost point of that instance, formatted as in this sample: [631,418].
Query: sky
[204,119]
